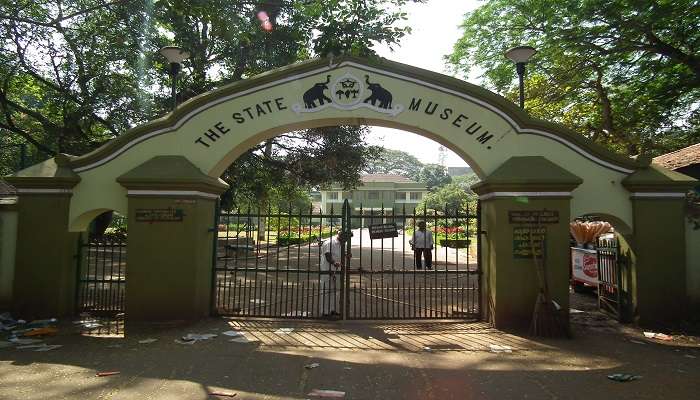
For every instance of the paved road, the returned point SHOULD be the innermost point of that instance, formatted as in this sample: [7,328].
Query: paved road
[366,360]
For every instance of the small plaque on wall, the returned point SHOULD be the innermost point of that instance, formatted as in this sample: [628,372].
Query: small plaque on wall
[523,248]
[159,214]
[533,217]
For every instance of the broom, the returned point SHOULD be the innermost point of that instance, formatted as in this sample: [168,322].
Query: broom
[545,318]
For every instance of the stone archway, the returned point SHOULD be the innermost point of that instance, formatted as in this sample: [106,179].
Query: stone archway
[177,160]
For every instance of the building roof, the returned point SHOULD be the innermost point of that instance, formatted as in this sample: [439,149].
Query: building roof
[679,158]
[385,178]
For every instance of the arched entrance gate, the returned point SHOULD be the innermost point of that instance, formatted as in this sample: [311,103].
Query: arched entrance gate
[525,165]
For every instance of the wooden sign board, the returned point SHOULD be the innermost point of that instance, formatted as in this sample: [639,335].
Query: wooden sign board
[383,231]
[533,217]
[159,214]
[522,248]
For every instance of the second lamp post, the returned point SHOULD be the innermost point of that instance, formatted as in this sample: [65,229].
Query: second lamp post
[520,56]
[175,56]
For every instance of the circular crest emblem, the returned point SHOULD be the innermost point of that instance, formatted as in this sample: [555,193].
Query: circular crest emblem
[347,90]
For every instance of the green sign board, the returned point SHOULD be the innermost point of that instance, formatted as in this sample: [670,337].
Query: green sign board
[523,247]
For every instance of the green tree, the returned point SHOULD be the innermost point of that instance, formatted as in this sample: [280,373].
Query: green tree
[434,176]
[453,196]
[395,162]
[623,73]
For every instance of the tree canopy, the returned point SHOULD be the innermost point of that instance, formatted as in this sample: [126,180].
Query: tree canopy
[77,73]
[623,73]
[396,162]
[434,176]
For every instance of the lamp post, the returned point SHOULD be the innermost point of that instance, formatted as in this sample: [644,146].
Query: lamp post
[175,56]
[520,55]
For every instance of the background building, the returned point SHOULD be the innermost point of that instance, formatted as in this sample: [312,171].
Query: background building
[393,194]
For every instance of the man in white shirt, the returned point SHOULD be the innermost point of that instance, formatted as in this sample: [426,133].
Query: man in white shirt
[422,244]
[330,263]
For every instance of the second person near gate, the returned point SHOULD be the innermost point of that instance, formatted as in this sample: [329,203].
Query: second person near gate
[422,245]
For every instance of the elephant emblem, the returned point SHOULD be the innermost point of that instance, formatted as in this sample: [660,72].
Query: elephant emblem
[379,94]
[316,93]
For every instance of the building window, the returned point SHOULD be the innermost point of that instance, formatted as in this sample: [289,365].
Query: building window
[373,195]
[416,195]
[332,195]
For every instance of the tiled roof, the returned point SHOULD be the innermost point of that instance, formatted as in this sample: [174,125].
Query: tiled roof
[680,158]
[6,189]
[390,178]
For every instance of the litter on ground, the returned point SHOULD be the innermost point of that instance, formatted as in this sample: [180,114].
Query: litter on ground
[148,341]
[624,377]
[233,333]
[225,394]
[284,331]
[312,365]
[497,348]
[327,394]
[24,341]
[107,373]
[660,336]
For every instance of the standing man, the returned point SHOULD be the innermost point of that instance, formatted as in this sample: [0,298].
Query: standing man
[330,264]
[422,244]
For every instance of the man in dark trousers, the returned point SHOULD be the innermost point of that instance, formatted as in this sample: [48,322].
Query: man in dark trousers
[422,244]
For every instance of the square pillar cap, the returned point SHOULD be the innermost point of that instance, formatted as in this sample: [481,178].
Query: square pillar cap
[171,173]
[528,174]
[655,178]
[54,173]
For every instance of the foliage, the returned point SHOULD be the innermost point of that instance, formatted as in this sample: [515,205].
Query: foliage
[395,162]
[623,73]
[77,73]
[449,198]
[302,235]
[434,176]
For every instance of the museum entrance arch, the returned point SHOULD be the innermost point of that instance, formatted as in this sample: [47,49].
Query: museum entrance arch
[526,165]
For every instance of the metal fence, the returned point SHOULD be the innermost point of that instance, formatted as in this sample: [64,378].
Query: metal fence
[271,264]
[612,286]
[101,275]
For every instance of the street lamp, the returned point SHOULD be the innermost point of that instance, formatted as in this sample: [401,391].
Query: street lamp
[520,56]
[175,56]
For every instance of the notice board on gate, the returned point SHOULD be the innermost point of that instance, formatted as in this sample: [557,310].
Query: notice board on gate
[383,231]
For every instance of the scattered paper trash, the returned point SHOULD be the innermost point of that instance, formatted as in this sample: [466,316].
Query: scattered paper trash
[107,373]
[347,368]
[624,377]
[24,341]
[31,346]
[312,365]
[115,346]
[198,336]
[49,347]
[4,344]
[41,331]
[148,341]
[637,341]
[497,348]
[660,336]
[41,323]
[178,341]
[575,311]
[428,349]
[233,333]
[225,394]
[556,305]
[689,356]
[327,394]
[243,339]
[284,331]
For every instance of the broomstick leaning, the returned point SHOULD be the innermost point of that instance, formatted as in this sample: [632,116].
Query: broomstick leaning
[546,321]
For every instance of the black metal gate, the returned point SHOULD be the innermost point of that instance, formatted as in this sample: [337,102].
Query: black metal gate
[612,270]
[272,264]
[101,275]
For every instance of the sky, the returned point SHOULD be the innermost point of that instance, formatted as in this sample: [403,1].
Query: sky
[435,26]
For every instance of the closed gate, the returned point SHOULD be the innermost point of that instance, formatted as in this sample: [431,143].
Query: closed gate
[273,264]
[101,275]
[612,287]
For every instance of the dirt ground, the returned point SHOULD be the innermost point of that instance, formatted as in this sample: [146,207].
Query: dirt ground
[366,360]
